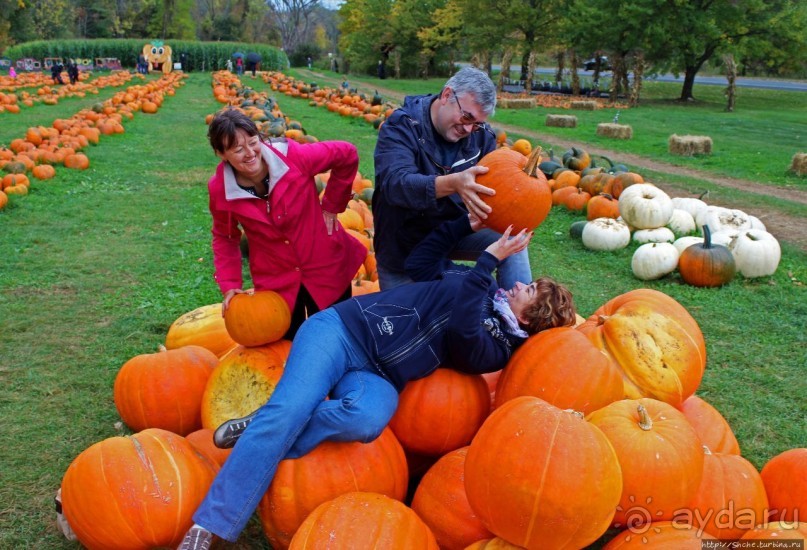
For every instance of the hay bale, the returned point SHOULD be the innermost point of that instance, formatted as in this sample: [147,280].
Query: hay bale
[799,164]
[516,103]
[586,105]
[613,130]
[561,121]
[690,145]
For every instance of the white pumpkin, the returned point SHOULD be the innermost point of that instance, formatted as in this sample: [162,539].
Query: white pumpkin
[605,234]
[645,206]
[719,219]
[685,242]
[689,205]
[657,235]
[756,253]
[724,237]
[654,260]
[681,222]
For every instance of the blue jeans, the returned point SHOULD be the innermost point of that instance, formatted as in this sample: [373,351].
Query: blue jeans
[514,269]
[324,360]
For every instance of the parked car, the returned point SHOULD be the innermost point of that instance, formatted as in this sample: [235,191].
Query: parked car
[589,64]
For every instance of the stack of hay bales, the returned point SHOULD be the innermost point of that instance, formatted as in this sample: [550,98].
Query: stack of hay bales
[690,145]
[799,164]
[561,121]
[515,103]
[613,130]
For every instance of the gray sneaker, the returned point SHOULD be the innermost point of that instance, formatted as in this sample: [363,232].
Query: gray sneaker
[228,433]
[197,538]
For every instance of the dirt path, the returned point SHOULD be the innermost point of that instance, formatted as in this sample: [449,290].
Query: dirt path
[784,226]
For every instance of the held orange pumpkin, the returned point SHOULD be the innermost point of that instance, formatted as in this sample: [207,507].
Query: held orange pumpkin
[522,194]
[255,319]
[441,412]
[540,477]
[331,469]
[144,487]
[164,389]
[654,341]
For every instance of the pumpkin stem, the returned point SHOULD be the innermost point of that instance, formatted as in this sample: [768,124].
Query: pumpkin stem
[578,414]
[644,419]
[704,194]
[533,161]
[707,237]
[161,348]
[601,319]
[706,450]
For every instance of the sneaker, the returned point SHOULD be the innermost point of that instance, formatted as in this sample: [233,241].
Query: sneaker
[197,538]
[228,433]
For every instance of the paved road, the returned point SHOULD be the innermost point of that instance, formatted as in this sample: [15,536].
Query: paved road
[746,82]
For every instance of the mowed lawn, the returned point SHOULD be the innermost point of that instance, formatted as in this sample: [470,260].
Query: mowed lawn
[97,264]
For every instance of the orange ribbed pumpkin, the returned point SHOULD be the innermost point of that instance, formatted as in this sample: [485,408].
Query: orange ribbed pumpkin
[243,381]
[711,427]
[662,535]
[204,326]
[660,456]
[731,498]
[562,367]
[164,389]
[785,478]
[255,319]
[541,477]
[441,502]
[654,341]
[363,520]
[142,489]
[523,197]
[202,439]
[330,470]
[441,412]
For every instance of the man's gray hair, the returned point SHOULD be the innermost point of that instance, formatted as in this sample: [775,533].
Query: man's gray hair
[470,80]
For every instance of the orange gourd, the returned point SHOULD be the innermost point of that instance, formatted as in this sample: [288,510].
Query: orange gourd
[202,439]
[143,488]
[204,326]
[662,535]
[255,319]
[711,427]
[522,197]
[164,389]
[43,171]
[785,478]
[602,206]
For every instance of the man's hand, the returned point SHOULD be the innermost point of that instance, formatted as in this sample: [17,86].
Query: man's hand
[506,246]
[464,184]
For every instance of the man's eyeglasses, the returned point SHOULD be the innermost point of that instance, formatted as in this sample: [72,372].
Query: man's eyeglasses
[467,118]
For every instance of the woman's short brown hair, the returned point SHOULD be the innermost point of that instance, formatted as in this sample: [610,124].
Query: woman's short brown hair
[224,126]
[553,307]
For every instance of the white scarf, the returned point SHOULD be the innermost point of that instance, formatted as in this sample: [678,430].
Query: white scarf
[501,305]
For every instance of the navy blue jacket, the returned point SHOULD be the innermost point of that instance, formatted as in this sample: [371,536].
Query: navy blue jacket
[407,162]
[410,330]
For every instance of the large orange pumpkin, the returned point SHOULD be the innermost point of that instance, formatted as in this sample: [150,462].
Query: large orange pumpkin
[660,455]
[441,412]
[164,389]
[522,197]
[363,520]
[142,489]
[654,341]
[711,427]
[202,439]
[204,326]
[731,498]
[785,478]
[242,382]
[662,535]
[255,319]
[778,530]
[541,477]
[330,470]
[562,367]
[441,502]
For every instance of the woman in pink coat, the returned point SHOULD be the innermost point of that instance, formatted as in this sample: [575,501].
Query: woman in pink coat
[296,245]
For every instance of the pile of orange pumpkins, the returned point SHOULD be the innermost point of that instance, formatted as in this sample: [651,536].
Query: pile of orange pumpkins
[589,433]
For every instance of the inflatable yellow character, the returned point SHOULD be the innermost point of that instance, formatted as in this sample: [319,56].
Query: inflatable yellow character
[158,57]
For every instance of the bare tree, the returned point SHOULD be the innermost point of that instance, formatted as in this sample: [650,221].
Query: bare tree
[293,18]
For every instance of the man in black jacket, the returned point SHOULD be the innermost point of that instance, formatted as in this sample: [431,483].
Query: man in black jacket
[425,168]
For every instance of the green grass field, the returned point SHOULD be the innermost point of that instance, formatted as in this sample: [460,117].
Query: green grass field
[96,265]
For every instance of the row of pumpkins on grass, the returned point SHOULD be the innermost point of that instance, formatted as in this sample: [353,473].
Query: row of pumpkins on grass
[622,208]
[586,431]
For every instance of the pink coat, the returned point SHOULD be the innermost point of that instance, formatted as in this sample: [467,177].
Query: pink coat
[288,242]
